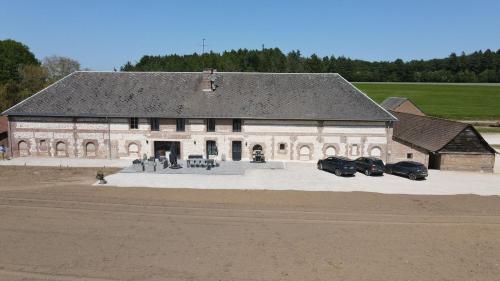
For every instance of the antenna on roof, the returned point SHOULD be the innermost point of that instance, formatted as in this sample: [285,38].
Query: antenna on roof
[203,45]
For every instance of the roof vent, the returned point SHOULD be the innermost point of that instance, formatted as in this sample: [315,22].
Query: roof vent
[208,83]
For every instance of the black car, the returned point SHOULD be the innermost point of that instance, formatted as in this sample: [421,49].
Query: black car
[339,165]
[410,169]
[370,166]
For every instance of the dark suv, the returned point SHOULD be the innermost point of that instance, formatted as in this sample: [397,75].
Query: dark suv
[410,169]
[370,166]
[339,165]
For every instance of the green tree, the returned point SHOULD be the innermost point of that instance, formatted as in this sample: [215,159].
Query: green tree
[12,55]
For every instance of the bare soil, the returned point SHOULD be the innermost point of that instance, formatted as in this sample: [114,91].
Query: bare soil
[54,225]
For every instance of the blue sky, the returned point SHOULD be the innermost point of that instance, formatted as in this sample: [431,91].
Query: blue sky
[106,34]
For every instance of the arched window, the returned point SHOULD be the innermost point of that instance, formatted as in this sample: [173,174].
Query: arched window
[376,151]
[133,150]
[331,151]
[23,148]
[304,153]
[60,149]
[257,147]
[90,149]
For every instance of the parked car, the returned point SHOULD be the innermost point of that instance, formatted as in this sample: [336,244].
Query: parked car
[410,169]
[370,166]
[338,165]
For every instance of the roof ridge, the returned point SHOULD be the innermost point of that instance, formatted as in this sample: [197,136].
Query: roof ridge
[431,117]
[200,72]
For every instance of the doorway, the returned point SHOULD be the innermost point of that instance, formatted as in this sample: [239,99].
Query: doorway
[434,161]
[211,149]
[164,148]
[236,150]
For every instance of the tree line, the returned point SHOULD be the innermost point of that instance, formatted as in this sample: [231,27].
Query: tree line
[478,66]
[22,74]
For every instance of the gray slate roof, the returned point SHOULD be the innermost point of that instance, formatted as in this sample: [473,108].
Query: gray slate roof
[429,133]
[392,103]
[325,96]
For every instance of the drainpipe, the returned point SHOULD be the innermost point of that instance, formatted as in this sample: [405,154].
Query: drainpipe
[11,147]
[109,138]
[389,141]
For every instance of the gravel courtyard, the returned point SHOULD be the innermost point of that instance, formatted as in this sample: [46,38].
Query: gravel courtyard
[305,176]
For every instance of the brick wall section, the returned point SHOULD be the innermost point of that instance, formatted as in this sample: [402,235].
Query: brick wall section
[113,138]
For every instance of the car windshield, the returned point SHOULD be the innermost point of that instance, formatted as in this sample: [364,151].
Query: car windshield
[378,162]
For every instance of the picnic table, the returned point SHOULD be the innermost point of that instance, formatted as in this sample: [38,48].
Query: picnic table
[199,161]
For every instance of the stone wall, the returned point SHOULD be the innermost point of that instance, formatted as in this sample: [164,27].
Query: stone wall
[467,162]
[402,152]
[279,139]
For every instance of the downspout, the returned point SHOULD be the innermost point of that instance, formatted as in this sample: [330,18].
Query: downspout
[11,147]
[75,139]
[389,141]
[109,138]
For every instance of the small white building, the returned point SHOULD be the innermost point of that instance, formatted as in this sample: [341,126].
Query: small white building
[223,115]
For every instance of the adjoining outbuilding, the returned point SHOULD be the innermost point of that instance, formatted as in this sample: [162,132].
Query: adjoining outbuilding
[399,104]
[438,143]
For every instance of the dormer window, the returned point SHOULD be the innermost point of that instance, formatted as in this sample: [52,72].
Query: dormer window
[236,125]
[134,123]
[210,125]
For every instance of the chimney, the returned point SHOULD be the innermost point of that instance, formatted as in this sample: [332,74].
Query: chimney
[208,82]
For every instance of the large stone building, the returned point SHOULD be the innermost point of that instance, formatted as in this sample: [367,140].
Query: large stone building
[216,114]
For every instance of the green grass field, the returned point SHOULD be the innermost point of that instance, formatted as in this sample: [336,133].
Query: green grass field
[463,102]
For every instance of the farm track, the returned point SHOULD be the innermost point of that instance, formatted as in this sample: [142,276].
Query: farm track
[290,216]
[54,226]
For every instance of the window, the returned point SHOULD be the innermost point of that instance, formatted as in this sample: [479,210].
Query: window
[409,155]
[61,149]
[90,149]
[180,124]
[155,124]
[331,151]
[134,123]
[210,125]
[282,146]
[304,153]
[23,148]
[376,151]
[43,146]
[257,147]
[354,150]
[212,148]
[236,125]
[133,150]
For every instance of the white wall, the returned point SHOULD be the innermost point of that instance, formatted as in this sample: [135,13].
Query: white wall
[317,136]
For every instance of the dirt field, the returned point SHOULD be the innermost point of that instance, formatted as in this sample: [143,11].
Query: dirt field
[52,229]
